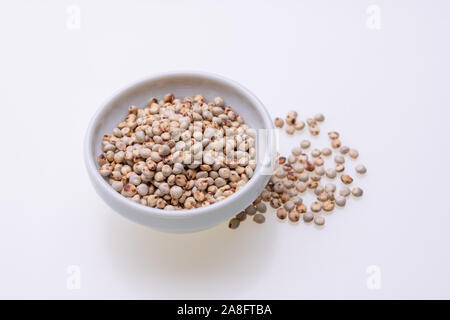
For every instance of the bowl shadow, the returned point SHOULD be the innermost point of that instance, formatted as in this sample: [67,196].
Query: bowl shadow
[209,264]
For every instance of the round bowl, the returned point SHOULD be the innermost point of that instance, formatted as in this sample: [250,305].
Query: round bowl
[181,84]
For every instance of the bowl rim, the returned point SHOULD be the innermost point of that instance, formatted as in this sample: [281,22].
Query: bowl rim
[90,162]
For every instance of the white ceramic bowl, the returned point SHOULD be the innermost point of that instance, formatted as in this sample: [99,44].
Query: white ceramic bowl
[182,84]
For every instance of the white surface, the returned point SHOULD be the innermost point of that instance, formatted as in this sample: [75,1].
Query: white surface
[386,91]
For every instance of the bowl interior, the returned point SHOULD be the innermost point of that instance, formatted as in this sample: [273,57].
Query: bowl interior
[181,85]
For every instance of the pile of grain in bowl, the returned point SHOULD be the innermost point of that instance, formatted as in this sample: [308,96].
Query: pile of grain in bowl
[307,169]
[179,154]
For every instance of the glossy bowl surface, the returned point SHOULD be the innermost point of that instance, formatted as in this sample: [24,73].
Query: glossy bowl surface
[182,84]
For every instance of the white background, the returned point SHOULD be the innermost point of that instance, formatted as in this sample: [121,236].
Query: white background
[386,91]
